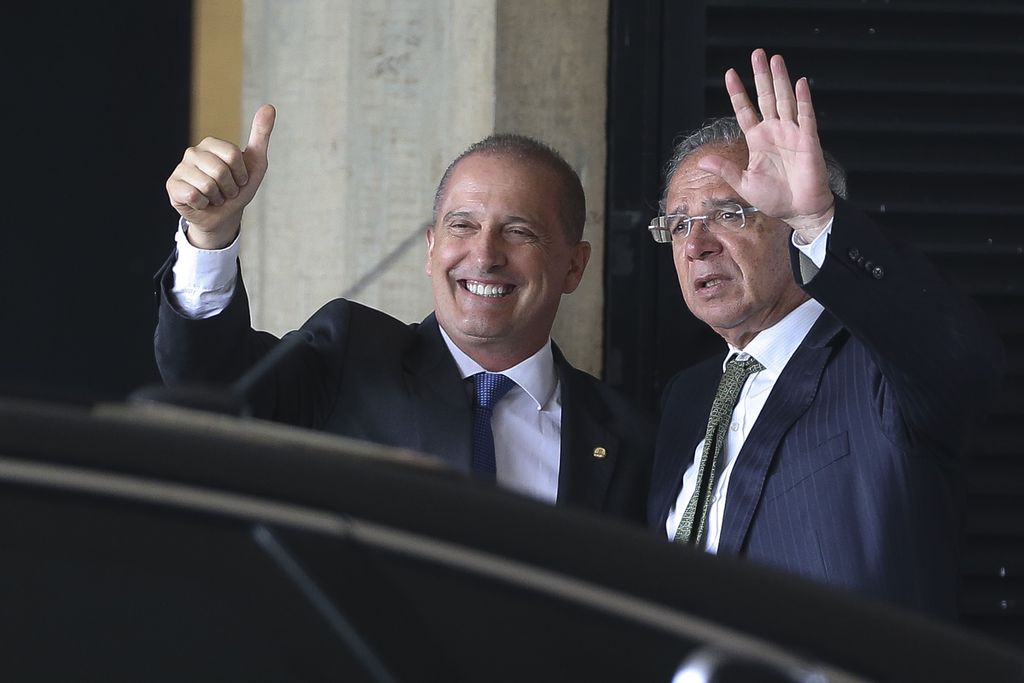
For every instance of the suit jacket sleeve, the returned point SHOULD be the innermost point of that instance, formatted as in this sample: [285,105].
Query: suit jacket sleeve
[220,349]
[936,350]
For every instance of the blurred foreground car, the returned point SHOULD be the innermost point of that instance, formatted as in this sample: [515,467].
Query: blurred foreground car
[151,543]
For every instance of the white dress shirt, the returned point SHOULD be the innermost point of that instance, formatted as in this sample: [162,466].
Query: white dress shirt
[772,347]
[526,421]
[204,279]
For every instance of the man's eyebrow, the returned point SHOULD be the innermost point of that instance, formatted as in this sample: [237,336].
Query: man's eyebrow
[457,214]
[505,220]
[722,201]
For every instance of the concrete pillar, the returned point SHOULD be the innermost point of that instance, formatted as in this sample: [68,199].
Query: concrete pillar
[551,83]
[374,99]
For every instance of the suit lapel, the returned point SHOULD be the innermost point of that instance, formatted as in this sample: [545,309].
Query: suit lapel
[584,471]
[790,397]
[442,404]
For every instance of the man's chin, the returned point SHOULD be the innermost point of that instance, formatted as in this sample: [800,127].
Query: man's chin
[720,319]
[711,313]
[474,333]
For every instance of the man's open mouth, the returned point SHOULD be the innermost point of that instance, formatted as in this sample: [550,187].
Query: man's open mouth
[488,290]
[705,282]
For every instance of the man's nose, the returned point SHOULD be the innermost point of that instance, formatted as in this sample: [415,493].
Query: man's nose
[488,249]
[701,242]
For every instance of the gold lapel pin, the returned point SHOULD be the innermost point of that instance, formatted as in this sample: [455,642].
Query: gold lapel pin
[600,452]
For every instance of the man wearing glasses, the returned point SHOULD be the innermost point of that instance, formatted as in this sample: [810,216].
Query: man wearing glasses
[828,440]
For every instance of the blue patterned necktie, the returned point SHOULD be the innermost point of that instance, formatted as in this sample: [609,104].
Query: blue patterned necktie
[691,526]
[490,387]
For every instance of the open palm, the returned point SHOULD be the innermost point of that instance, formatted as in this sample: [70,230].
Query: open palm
[785,175]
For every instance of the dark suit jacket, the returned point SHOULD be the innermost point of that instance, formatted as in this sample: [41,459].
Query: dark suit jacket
[852,472]
[361,373]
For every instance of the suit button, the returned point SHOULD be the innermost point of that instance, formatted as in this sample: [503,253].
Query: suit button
[878,273]
[853,254]
[868,265]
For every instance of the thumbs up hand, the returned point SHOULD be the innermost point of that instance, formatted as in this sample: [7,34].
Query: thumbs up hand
[216,180]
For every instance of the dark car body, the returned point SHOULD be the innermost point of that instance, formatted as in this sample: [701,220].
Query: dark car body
[156,543]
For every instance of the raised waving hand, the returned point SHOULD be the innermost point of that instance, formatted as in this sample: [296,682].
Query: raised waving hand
[785,175]
[216,180]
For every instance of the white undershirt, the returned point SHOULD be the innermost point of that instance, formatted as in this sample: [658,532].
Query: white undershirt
[526,421]
[772,347]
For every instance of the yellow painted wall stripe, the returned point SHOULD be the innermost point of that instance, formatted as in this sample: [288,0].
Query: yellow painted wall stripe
[216,69]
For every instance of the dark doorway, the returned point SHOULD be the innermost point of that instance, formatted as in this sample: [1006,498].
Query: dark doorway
[97,102]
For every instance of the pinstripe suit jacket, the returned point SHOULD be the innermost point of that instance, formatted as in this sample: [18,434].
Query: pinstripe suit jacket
[363,374]
[852,473]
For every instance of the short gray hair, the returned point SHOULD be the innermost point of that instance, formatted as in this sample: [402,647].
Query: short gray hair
[725,131]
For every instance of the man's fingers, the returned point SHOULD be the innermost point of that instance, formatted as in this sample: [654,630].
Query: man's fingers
[184,195]
[259,134]
[805,108]
[763,85]
[203,183]
[222,173]
[212,154]
[746,114]
[784,99]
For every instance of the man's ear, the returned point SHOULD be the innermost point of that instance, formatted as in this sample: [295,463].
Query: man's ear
[577,264]
[429,234]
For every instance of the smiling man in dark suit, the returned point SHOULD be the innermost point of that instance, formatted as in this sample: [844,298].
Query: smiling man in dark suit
[478,383]
[827,442]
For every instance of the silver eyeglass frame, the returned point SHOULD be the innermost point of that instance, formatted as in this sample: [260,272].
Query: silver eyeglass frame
[662,234]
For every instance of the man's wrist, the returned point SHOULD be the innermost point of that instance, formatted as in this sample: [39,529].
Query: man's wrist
[807,228]
[209,241]
[813,253]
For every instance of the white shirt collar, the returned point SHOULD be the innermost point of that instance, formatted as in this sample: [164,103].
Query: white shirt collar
[773,347]
[536,375]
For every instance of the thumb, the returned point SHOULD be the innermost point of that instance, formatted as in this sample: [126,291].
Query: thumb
[725,169]
[259,134]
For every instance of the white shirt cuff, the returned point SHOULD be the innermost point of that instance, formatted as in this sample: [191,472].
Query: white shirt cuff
[816,250]
[204,280]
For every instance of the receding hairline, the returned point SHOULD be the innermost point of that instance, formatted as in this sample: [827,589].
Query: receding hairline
[529,152]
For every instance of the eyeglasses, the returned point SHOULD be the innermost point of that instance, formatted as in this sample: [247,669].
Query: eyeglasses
[677,226]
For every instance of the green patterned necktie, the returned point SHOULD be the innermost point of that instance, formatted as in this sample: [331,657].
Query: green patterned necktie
[736,373]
